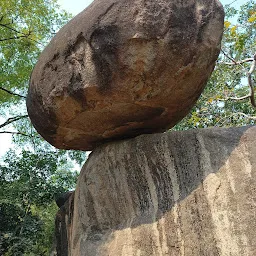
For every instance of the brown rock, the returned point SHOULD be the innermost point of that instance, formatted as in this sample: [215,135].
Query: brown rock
[123,68]
[188,193]
[63,224]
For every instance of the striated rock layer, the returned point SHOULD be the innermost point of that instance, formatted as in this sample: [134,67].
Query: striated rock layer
[124,68]
[186,193]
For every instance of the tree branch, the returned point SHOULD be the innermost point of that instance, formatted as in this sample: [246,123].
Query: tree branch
[226,55]
[22,35]
[15,30]
[11,38]
[12,119]
[12,93]
[19,133]
[237,62]
[247,116]
[239,98]
[231,2]
[249,78]
[250,95]
[233,60]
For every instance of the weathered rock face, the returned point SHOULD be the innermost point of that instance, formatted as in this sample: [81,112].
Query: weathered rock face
[123,68]
[63,224]
[186,193]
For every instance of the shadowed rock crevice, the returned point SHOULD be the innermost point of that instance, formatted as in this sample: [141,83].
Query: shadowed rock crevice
[63,221]
[104,43]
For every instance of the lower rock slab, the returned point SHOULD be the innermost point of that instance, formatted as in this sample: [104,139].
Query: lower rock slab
[186,193]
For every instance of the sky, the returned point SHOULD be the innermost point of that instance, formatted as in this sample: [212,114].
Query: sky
[74,7]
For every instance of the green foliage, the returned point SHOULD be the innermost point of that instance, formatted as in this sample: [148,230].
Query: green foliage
[31,177]
[29,182]
[25,28]
[34,178]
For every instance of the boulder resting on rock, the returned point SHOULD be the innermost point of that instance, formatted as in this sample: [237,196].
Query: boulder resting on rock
[124,68]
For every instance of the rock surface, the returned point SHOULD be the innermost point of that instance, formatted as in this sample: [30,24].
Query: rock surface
[62,227]
[62,198]
[189,193]
[123,68]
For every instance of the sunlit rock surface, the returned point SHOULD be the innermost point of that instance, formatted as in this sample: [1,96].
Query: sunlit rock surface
[186,193]
[124,68]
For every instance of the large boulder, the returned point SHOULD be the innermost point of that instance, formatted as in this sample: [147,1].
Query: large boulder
[123,68]
[190,193]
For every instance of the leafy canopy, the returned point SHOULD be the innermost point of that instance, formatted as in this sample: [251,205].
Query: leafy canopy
[33,173]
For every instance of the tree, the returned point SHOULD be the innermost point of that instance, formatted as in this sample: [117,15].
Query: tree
[34,172]
[28,184]
[228,98]
[25,29]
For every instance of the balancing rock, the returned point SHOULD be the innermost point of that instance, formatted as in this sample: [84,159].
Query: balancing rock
[124,68]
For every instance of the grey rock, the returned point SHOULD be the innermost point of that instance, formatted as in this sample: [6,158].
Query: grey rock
[124,68]
[62,198]
[186,193]
[63,222]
